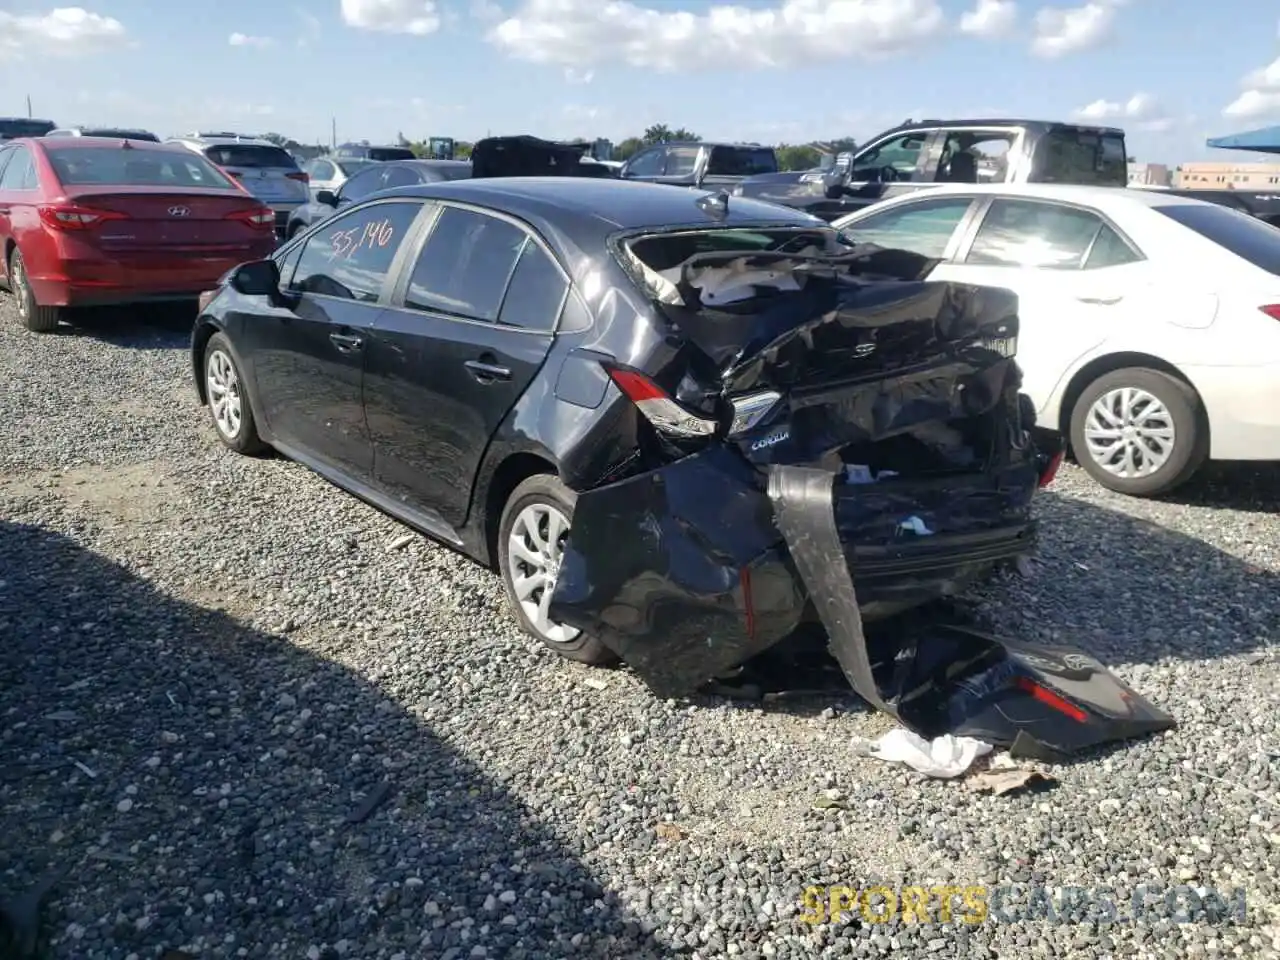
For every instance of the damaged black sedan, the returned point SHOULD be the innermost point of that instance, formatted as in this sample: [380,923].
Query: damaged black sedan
[678,424]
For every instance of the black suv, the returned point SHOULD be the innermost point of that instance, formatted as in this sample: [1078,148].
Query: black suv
[363,151]
[647,407]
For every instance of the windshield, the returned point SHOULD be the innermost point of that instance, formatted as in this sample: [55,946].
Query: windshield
[741,161]
[250,155]
[1245,236]
[12,129]
[1077,155]
[134,168]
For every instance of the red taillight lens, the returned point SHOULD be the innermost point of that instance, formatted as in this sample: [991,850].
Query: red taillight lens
[1050,699]
[262,217]
[1272,310]
[1051,471]
[300,177]
[68,216]
[658,408]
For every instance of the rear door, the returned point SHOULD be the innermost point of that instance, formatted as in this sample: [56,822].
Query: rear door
[464,336]
[308,360]
[1079,281]
[19,218]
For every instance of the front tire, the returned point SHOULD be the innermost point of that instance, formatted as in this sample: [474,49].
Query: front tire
[228,400]
[1139,432]
[35,318]
[531,536]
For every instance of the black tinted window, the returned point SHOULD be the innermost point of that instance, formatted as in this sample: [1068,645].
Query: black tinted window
[20,173]
[1021,233]
[1243,235]
[741,161]
[134,168]
[465,265]
[1073,155]
[349,257]
[535,293]
[399,177]
[362,184]
[250,155]
[12,129]
[390,153]
[117,133]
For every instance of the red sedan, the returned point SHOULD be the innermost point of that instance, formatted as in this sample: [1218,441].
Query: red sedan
[88,221]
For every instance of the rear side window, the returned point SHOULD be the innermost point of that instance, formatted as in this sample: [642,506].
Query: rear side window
[741,161]
[535,293]
[465,265]
[13,129]
[681,161]
[400,177]
[391,153]
[350,256]
[1076,155]
[250,155]
[1021,233]
[924,227]
[1245,236]
[134,168]
[20,173]
[141,135]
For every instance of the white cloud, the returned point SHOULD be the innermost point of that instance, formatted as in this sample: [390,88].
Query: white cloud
[573,75]
[415,17]
[1260,98]
[310,28]
[65,30]
[486,10]
[584,33]
[1141,111]
[245,40]
[990,18]
[1061,32]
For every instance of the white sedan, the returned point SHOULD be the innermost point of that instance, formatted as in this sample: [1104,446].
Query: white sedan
[1149,323]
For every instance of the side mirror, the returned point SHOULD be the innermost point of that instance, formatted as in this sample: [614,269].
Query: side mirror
[257,278]
[327,197]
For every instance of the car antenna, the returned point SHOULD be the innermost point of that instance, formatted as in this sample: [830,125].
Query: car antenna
[715,205]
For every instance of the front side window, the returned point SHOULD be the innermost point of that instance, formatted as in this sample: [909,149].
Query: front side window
[465,265]
[350,255]
[897,158]
[647,164]
[20,173]
[1024,233]
[924,227]
[975,156]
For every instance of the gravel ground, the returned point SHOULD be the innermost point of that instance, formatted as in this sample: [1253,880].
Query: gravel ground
[210,662]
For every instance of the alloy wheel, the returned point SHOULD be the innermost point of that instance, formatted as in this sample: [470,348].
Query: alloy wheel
[1129,432]
[224,393]
[535,550]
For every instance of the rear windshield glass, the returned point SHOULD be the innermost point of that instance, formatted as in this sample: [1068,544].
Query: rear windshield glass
[391,153]
[450,171]
[12,129]
[351,166]
[1243,235]
[134,168]
[250,155]
[120,134]
[741,161]
[1076,155]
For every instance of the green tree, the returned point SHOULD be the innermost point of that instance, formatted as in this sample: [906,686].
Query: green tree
[656,134]
[682,134]
[628,148]
[462,150]
[278,139]
[797,157]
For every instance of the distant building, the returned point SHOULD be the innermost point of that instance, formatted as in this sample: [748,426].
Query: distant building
[1149,175]
[1217,175]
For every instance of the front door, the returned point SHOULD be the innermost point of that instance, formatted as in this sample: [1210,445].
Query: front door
[308,360]
[454,352]
[888,168]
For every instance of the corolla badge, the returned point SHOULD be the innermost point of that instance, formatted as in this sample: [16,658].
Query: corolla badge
[772,440]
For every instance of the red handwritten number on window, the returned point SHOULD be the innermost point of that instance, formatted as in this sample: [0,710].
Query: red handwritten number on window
[374,235]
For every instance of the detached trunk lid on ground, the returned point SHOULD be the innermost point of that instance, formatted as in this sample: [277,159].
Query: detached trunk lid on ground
[838,421]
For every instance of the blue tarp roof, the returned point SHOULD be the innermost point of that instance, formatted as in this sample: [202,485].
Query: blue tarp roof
[1266,140]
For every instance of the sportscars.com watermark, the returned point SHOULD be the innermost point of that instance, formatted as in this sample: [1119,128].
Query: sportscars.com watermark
[1019,903]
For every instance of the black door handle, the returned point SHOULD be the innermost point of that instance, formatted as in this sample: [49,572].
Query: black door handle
[346,342]
[487,372]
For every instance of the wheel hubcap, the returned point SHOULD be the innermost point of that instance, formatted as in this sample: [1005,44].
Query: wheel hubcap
[1129,433]
[536,549]
[224,393]
[19,279]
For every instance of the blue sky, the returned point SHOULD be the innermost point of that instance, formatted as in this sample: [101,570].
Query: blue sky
[1169,71]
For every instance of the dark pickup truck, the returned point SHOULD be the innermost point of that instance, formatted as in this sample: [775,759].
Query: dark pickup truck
[700,164]
[917,154]
[1264,206]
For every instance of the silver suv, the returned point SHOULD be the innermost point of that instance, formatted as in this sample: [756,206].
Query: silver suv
[267,171]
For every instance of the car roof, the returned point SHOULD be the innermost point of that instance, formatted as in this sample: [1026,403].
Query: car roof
[102,143]
[1104,198]
[997,122]
[229,141]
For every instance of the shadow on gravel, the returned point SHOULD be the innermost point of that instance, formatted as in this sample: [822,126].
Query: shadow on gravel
[148,326]
[1236,486]
[199,781]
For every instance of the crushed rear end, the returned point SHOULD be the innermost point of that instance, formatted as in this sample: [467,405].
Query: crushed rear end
[834,437]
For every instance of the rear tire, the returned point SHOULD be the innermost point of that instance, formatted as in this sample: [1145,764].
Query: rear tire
[228,399]
[1139,432]
[535,522]
[35,318]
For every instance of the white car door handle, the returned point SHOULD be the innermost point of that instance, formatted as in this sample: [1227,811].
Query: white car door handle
[1101,301]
